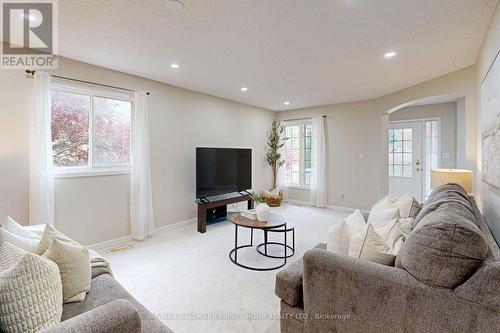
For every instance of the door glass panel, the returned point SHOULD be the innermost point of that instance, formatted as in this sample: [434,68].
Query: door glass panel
[400,152]
[431,159]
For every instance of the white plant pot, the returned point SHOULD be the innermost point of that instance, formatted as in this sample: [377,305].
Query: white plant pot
[263,212]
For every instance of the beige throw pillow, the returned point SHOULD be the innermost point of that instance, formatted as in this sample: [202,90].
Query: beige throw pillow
[50,233]
[74,266]
[340,233]
[30,291]
[408,206]
[369,245]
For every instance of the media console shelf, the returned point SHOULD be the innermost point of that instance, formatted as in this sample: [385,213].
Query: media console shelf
[210,208]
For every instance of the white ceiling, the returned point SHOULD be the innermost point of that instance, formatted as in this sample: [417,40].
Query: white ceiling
[307,52]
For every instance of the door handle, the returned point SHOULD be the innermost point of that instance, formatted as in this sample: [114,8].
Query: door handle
[417,163]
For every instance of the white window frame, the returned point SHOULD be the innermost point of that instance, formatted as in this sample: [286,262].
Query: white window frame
[62,85]
[302,134]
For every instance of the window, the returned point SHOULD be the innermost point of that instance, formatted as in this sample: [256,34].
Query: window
[298,152]
[91,129]
[400,152]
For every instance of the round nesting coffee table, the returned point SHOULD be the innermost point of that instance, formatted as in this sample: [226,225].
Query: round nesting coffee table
[276,223]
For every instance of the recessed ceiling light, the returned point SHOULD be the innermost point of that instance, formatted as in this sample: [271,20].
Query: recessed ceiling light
[244,88]
[287,103]
[175,5]
[390,54]
[174,65]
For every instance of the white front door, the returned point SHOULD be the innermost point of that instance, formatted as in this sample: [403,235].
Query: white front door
[405,159]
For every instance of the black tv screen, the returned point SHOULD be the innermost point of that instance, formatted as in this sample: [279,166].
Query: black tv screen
[222,170]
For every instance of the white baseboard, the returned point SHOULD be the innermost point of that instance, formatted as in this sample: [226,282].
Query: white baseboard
[110,243]
[120,240]
[174,226]
[333,207]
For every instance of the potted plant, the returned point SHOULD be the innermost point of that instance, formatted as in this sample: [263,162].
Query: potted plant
[275,141]
[261,208]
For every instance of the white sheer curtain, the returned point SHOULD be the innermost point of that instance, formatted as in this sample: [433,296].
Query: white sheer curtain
[281,177]
[318,192]
[41,177]
[141,201]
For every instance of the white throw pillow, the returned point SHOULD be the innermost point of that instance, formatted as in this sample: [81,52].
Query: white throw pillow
[385,202]
[49,235]
[356,220]
[30,291]
[26,244]
[340,233]
[37,229]
[74,266]
[390,233]
[15,228]
[369,245]
[408,206]
[377,217]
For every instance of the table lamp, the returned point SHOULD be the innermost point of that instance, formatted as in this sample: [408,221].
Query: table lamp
[457,176]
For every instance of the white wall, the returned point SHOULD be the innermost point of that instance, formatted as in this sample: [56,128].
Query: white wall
[447,113]
[361,127]
[95,209]
[488,196]
[353,129]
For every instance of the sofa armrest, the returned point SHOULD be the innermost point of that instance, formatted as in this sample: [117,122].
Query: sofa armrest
[113,317]
[347,294]
[288,285]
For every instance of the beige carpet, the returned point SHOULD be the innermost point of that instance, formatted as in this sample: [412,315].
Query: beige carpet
[186,279]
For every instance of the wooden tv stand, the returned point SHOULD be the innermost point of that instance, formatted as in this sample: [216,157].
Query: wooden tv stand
[205,205]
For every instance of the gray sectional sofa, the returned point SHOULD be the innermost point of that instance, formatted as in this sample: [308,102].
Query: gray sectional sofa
[446,279]
[107,308]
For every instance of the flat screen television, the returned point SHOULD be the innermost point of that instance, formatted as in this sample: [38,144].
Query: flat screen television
[222,170]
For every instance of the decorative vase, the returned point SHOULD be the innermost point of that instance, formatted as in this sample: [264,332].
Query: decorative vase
[263,211]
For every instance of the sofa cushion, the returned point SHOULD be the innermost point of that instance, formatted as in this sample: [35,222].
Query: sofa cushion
[445,248]
[442,195]
[288,285]
[483,287]
[104,289]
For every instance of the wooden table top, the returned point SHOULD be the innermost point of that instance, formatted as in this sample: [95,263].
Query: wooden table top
[275,221]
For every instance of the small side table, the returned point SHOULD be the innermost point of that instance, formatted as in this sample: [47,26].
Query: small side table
[276,223]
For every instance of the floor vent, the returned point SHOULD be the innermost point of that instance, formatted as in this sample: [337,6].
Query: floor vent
[119,248]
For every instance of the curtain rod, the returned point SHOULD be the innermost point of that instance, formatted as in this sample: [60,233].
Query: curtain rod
[305,118]
[32,72]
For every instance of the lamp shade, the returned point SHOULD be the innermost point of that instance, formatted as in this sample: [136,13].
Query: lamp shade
[457,176]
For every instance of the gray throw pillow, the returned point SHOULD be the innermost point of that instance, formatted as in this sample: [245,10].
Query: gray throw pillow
[444,250]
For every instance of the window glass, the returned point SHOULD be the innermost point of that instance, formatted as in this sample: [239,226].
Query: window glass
[70,129]
[400,152]
[89,131]
[111,132]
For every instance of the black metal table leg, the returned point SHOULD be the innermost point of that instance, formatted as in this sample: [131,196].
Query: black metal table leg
[233,254]
[265,242]
[235,243]
[288,248]
[285,245]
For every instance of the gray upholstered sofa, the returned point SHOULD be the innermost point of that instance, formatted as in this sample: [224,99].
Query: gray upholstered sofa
[446,279]
[107,308]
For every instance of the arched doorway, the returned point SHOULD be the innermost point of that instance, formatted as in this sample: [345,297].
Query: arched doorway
[422,135]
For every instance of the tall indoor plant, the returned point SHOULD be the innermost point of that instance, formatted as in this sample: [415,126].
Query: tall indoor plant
[275,141]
